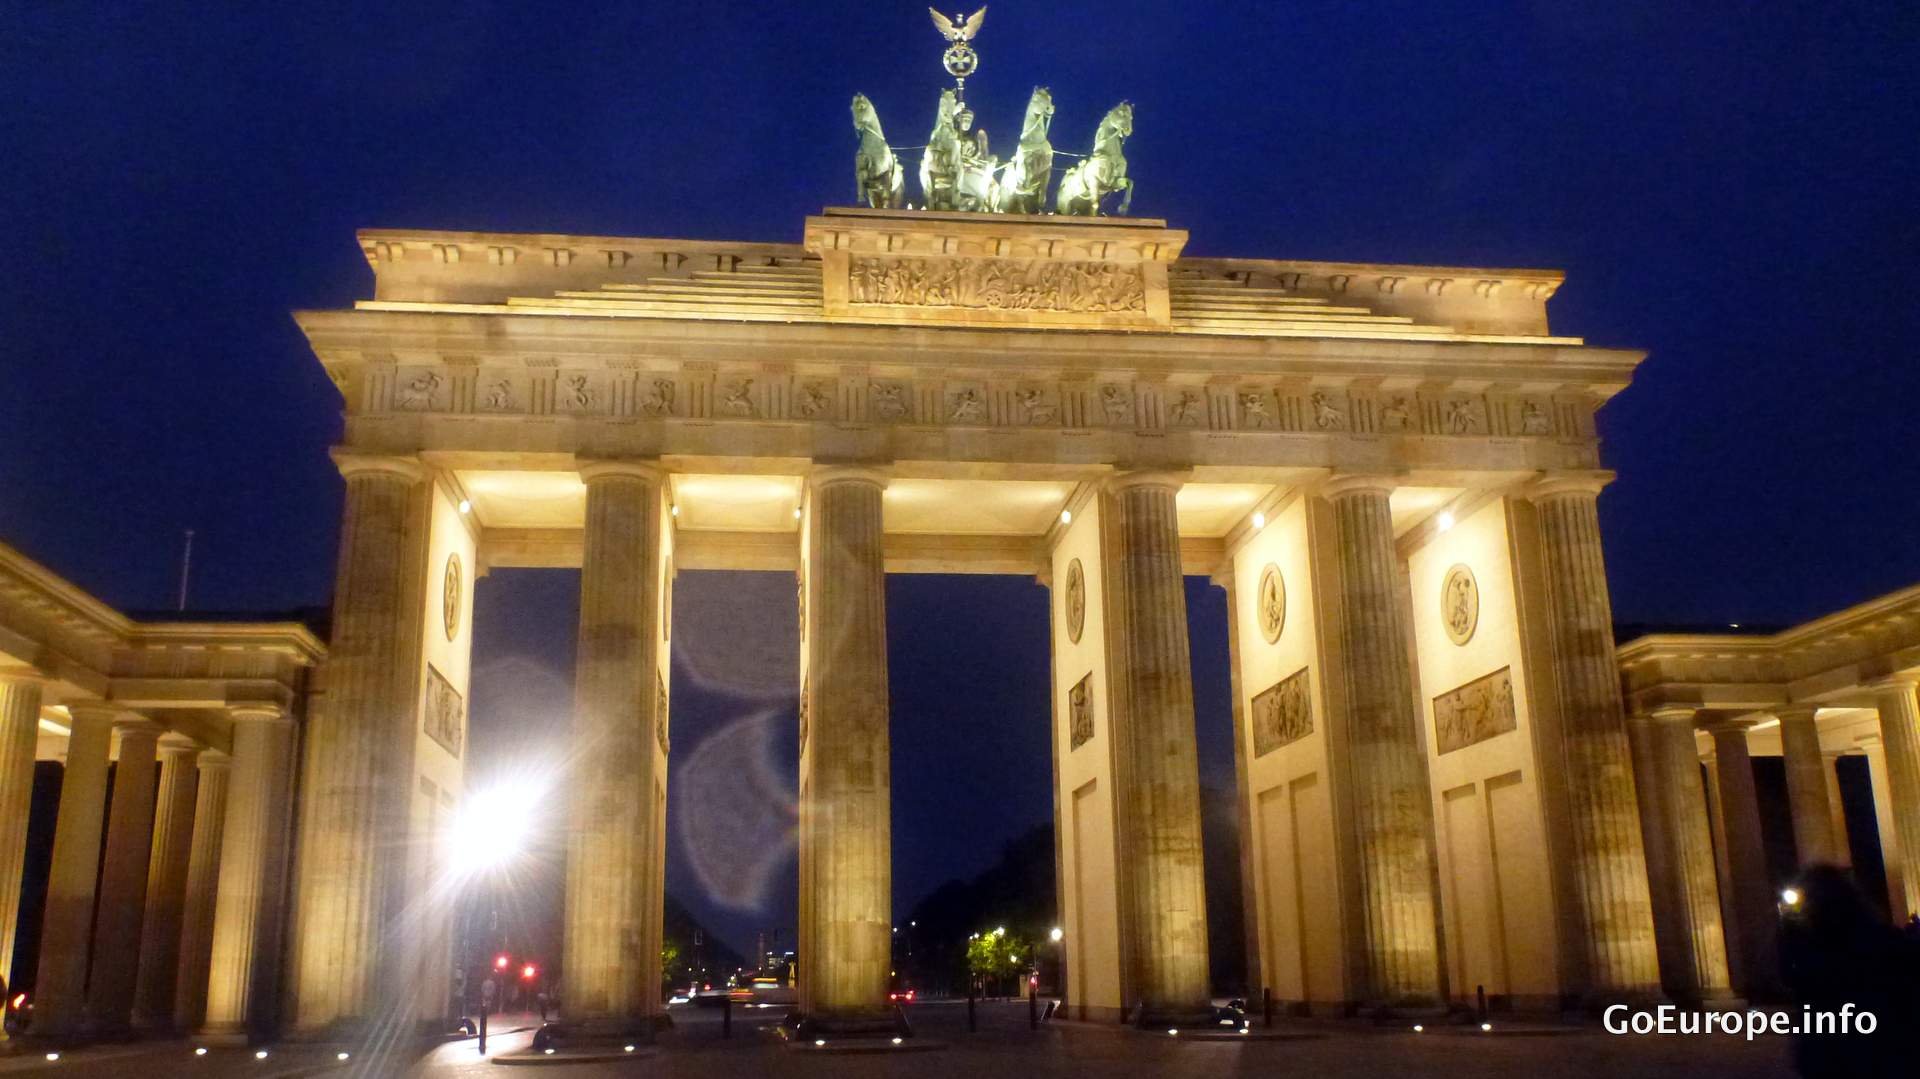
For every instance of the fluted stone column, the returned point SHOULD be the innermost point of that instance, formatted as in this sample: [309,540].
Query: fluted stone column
[1156,761]
[1900,737]
[166,885]
[357,785]
[123,879]
[846,833]
[1680,856]
[613,904]
[66,929]
[1609,862]
[1386,767]
[1813,837]
[1836,808]
[19,734]
[1883,817]
[197,900]
[244,970]
[1755,914]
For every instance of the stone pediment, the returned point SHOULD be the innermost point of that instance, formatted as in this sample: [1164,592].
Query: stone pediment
[994,270]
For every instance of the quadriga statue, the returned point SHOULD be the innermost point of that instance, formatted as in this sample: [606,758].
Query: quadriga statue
[881,181]
[1103,172]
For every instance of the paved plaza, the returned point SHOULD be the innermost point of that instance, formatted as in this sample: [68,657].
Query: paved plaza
[1004,1047]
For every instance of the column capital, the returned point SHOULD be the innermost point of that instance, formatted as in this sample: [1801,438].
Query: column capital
[22,676]
[592,469]
[1728,725]
[258,712]
[353,464]
[824,475]
[1169,478]
[1557,484]
[175,744]
[99,711]
[1346,483]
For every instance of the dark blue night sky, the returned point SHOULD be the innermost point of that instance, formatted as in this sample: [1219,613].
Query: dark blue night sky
[1730,187]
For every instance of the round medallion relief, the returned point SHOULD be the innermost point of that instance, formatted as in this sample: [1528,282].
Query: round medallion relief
[1460,603]
[1273,603]
[450,596]
[1076,600]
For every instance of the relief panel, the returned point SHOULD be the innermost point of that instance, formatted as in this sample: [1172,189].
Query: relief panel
[1282,714]
[1474,712]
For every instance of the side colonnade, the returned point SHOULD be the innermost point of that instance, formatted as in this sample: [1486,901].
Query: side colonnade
[169,924]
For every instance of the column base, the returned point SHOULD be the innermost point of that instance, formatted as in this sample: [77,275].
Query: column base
[1172,1016]
[883,1021]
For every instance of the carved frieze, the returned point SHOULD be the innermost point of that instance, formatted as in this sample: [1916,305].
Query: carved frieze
[421,391]
[1080,712]
[446,712]
[1329,411]
[656,397]
[997,284]
[1474,712]
[1282,713]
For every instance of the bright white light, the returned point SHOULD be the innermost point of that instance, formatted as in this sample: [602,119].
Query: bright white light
[1259,521]
[492,827]
[1056,934]
[466,507]
[1446,520]
[1791,896]
[1066,517]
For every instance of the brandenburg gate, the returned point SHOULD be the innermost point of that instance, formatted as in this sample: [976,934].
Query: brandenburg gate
[1392,470]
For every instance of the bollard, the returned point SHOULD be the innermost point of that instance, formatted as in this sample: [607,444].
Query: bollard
[726,1016]
[1266,1005]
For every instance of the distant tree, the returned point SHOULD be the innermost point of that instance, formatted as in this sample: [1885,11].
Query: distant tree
[998,957]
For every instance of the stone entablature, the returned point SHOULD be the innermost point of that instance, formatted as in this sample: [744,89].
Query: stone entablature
[88,651]
[1833,660]
[606,276]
